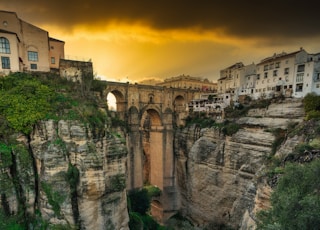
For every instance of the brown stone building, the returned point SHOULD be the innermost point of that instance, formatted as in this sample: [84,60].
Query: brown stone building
[188,82]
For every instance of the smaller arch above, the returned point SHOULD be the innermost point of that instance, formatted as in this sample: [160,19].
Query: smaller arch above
[179,104]
[153,116]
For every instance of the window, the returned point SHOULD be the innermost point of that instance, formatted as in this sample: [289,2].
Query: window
[53,60]
[300,68]
[258,76]
[265,68]
[265,74]
[299,87]
[317,85]
[33,56]
[4,45]
[299,77]
[271,66]
[5,61]
[286,71]
[33,66]
[275,73]
[277,65]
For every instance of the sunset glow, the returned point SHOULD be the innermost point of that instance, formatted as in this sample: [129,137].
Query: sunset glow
[131,43]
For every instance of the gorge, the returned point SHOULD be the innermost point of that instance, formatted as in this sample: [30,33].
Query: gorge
[74,170]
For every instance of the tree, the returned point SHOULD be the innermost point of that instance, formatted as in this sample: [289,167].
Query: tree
[23,101]
[296,199]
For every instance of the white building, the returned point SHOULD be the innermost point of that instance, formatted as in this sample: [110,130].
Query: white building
[285,74]
[25,47]
[236,80]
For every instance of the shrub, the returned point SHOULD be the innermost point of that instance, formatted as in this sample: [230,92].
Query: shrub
[230,128]
[311,102]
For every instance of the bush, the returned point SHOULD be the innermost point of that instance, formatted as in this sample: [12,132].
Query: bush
[230,128]
[311,102]
[139,201]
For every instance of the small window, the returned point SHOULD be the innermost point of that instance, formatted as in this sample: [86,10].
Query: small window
[5,61]
[33,56]
[33,66]
[275,73]
[277,65]
[299,87]
[300,68]
[53,60]
[258,76]
[265,68]
[265,74]
[286,71]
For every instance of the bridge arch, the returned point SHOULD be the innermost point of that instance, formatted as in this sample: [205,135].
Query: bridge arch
[152,143]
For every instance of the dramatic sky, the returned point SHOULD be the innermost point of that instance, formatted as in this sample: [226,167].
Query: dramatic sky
[140,39]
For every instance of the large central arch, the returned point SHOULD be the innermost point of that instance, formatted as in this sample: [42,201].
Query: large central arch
[152,142]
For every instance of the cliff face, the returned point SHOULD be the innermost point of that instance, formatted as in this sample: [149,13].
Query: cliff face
[218,175]
[76,178]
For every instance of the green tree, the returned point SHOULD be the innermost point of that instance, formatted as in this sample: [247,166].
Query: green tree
[296,199]
[23,101]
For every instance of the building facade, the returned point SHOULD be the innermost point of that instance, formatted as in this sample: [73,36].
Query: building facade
[25,47]
[236,80]
[285,74]
[290,75]
[188,82]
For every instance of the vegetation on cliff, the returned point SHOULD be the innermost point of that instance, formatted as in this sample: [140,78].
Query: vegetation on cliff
[25,100]
[295,201]
[139,201]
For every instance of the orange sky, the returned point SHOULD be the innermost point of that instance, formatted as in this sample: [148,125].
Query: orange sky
[136,40]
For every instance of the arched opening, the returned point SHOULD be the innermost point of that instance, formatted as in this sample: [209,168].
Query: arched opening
[179,104]
[111,102]
[157,210]
[152,142]
[116,102]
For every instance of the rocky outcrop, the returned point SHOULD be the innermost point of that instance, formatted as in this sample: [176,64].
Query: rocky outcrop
[219,177]
[77,178]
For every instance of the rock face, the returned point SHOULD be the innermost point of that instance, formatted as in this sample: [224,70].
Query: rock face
[218,175]
[78,176]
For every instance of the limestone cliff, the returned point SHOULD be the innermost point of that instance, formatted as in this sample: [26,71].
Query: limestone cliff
[219,176]
[75,177]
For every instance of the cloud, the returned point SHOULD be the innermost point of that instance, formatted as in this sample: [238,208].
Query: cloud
[280,19]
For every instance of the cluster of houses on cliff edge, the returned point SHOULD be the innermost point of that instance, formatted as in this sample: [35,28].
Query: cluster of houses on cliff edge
[27,48]
[288,74]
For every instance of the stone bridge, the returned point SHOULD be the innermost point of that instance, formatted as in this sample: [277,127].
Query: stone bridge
[152,113]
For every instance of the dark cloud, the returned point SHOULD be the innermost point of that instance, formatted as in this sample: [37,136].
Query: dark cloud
[281,18]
